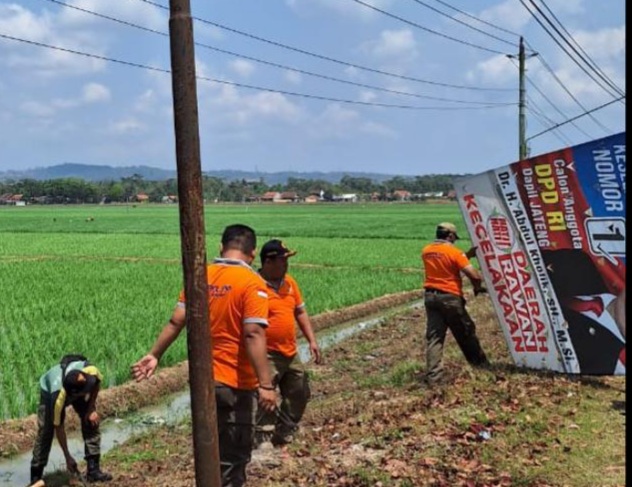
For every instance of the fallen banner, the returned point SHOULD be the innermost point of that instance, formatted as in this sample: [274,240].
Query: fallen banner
[550,232]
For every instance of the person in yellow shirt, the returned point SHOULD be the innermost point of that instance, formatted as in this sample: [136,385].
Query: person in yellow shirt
[286,309]
[73,382]
[444,302]
[238,315]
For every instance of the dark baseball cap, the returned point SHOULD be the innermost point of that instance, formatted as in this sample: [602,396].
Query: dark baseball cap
[275,248]
[73,385]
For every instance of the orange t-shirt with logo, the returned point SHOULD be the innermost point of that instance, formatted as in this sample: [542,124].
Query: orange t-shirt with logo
[443,263]
[237,295]
[283,303]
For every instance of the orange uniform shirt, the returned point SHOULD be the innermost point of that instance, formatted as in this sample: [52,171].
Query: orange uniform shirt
[443,263]
[237,295]
[283,303]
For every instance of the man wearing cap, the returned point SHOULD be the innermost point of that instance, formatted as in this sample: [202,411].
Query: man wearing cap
[77,385]
[444,302]
[238,315]
[286,309]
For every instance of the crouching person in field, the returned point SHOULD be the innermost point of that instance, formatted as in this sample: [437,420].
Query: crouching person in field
[73,382]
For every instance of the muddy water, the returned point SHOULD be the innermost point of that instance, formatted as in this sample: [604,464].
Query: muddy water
[15,471]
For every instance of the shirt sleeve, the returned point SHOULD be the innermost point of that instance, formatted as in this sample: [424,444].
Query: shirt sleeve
[298,295]
[256,303]
[59,407]
[181,299]
[92,370]
[461,259]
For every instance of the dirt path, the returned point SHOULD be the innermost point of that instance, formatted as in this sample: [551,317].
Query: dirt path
[370,423]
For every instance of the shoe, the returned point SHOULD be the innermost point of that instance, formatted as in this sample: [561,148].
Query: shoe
[95,474]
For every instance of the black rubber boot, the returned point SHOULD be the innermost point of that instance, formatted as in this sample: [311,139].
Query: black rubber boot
[36,474]
[95,474]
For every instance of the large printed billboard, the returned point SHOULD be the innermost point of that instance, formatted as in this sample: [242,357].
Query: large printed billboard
[550,232]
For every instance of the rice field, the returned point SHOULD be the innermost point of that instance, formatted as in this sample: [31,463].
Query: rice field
[103,280]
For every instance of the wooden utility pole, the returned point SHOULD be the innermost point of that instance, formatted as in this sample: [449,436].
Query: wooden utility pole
[192,236]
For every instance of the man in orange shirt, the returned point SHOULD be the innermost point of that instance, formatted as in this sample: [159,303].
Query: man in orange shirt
[238,311]
[444,301]
[286,308]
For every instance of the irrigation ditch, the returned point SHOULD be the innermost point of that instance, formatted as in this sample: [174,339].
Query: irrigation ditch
[133,408]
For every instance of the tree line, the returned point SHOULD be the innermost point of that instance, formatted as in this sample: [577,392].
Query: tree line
[76,190]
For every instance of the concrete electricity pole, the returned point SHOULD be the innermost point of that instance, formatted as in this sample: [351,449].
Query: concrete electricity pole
[192,237]
[523,149]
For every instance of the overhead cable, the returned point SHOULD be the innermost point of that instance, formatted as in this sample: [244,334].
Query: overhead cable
[584,55]
[607,89]
[543,95]
[547,122]
[281,66]
[600,107]
[330,59]
[243,85]
[550,70]
[469,26]
[478,19]
[421,27]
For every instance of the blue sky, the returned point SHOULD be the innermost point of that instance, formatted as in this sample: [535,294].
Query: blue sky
[57,106]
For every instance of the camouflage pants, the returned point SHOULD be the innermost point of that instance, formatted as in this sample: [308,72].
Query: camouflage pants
[235,420]
[445,311]
[46,429]
[290,377]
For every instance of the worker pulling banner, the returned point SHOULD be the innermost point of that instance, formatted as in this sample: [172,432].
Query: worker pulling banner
[550,232]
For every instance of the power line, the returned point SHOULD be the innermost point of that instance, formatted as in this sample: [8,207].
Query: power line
[477,19]
[552,36]
[241,85]
[587,59]
[463,23]
[575,118]
[281,66]
[539,114]
[570,94]
[543,95]
[414,24]
[327,58]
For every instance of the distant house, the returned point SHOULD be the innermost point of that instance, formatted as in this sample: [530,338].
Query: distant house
[288,197]
[169,199]
[141,198]
[346,198]
[451,195]
[12,199]
[401,195]
[312,198]
[271,196]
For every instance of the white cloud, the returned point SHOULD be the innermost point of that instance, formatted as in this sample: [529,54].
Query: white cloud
[395,49]
[135,12]
[36,109]
[496,70]
[293,77]
[606,47]
[367,96]
[338,122]
[239,107]
[510,14]
[24,24]
[127,126]
[242,67]
[351,9]
[95,92]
